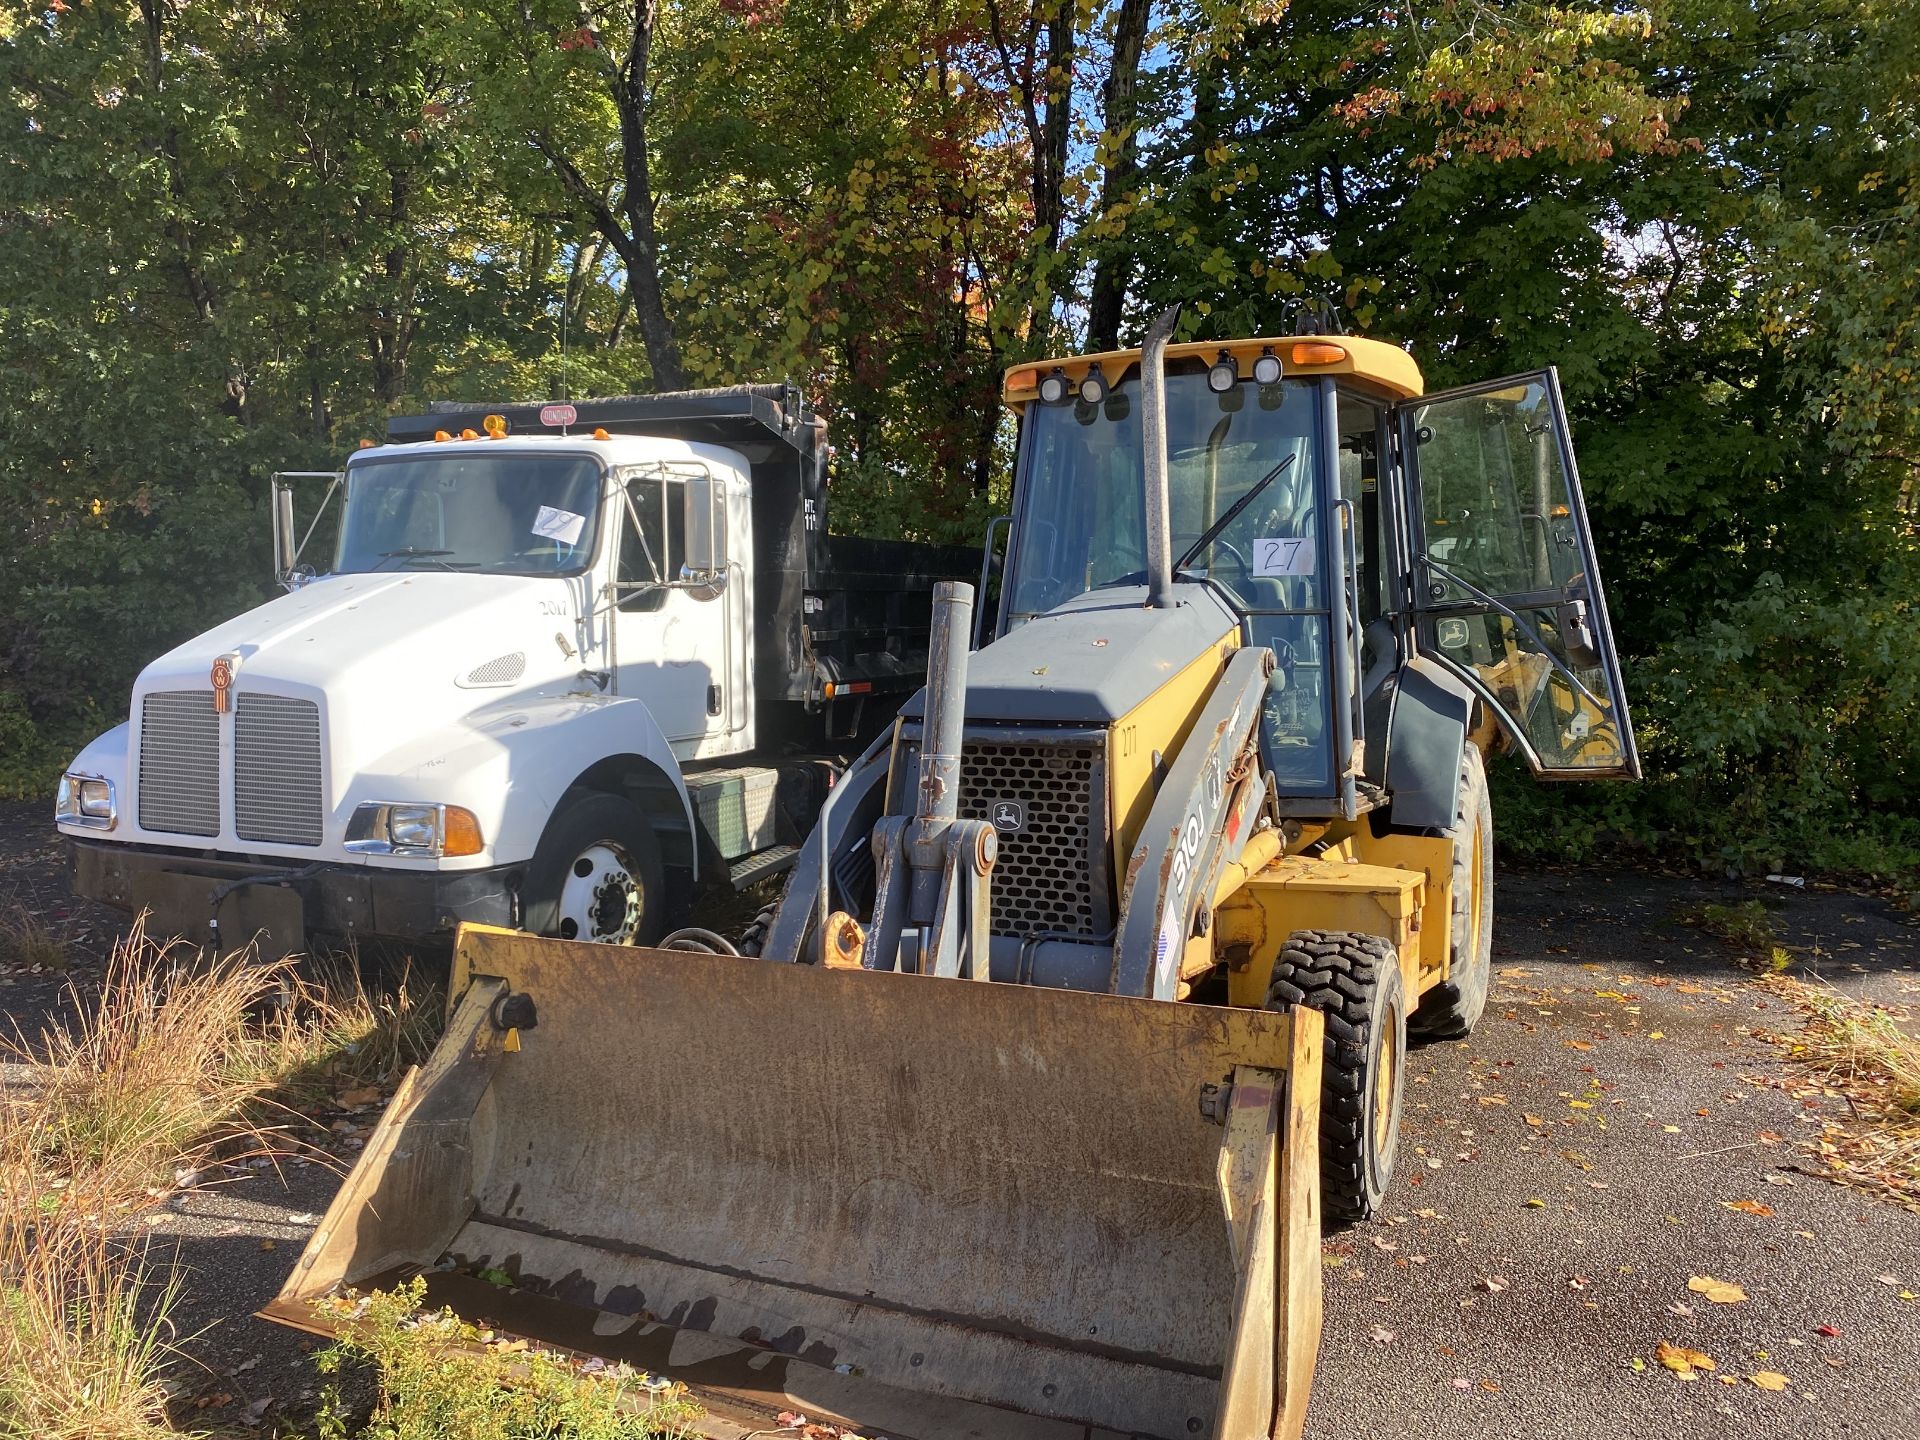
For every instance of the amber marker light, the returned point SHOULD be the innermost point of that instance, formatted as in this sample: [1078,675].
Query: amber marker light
[600,434]
[462,834]
[441,435]
[469,434]
[495,426]
[1317,353]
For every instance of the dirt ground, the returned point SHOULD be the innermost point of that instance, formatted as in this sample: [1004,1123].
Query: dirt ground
[1620,1124]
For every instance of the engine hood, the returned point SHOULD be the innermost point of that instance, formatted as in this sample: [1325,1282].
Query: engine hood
[387,634]
[1093,659]
[396,665]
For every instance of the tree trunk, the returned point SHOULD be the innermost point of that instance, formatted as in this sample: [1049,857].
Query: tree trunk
[630,231]
[643,253]
[1119,111]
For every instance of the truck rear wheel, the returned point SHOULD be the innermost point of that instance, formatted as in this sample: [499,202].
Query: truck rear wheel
[596,874]
[1453,1007]
[1354,981]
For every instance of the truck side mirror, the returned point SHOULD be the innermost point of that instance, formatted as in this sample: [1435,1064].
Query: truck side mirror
[284,545]
[704,570]
[288,572]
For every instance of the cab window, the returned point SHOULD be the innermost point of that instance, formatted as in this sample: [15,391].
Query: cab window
[650,556]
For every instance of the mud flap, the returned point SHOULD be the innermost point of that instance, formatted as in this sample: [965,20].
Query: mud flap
[919,1207]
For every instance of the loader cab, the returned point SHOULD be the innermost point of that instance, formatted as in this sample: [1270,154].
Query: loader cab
[1376,528]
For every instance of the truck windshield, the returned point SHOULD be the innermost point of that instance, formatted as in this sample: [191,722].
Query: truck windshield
[511,514]
[1084,518]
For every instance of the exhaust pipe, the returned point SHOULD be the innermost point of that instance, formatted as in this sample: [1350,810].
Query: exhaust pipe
[944,725]
[1153,444]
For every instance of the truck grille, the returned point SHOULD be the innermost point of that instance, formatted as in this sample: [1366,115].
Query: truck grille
[180,763]
[1051,873]
[276,770]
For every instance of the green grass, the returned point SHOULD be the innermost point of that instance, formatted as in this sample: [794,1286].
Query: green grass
[440,1378]
[1747,925]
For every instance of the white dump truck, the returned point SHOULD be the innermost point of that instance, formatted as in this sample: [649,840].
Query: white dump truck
[568,666]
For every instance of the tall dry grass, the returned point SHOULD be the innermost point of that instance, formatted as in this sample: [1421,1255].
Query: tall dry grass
[1864,1051]
[175,1060]
[151,1074]
[85,1343]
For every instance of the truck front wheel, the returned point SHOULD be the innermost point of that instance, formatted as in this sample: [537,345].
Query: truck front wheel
[596,874]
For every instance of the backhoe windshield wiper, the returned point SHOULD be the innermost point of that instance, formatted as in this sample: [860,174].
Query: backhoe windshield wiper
[1213,531]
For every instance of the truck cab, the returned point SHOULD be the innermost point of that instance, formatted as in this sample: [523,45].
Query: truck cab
[552,675]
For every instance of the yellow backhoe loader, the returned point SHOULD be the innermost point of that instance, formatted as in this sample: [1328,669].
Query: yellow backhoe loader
[1094,983]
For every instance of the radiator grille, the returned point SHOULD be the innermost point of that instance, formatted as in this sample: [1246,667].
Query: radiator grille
[1044,879]
[180,763]
[276,769]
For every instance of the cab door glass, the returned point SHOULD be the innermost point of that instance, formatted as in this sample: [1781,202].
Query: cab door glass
[651,556]
[1507,591]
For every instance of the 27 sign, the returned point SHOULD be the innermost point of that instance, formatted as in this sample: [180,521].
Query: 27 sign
[1283,557]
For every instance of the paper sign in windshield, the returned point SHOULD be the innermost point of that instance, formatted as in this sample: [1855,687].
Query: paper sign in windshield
[561,525]
[1283,557]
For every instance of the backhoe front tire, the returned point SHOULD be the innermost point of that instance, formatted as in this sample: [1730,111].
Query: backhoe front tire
[1452,1008]
[1354,982]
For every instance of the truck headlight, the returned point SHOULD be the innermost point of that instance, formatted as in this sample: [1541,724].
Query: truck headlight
[86,800]
[409,827]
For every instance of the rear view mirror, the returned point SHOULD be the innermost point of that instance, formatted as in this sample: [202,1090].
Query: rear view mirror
[288,572]
[704,571]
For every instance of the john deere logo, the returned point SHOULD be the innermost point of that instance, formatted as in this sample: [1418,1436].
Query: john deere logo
[1009,816]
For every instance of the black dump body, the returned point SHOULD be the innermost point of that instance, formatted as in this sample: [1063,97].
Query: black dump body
[834,611]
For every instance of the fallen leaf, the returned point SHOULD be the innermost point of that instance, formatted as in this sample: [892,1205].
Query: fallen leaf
[1771,1137]
[1769,1380]
[1579,1044]
[1491,1386]
[1888,1279]
[1460,1382]
[1832,1332]
[1380,1335]
[1536,1204]
[1534,1120]
[1720,1292]
[267,1245]
[351,1099]
[1748,1207]
[1492,1284]
[1682,1361]
[1656,1035]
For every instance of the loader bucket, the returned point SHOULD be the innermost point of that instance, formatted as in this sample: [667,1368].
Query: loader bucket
[917,1207]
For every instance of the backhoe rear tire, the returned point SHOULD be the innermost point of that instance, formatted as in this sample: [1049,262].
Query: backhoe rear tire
[1452,1008]
[1354,981]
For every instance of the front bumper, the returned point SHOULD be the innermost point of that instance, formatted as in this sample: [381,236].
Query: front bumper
[276,906]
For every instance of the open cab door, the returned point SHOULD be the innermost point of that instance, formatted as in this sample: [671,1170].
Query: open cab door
[1506,591]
